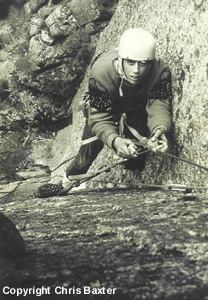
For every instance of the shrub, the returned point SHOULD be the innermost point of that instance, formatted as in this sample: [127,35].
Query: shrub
[4,89]
[12,154]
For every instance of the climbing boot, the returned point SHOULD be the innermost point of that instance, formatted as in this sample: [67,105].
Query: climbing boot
[50,189]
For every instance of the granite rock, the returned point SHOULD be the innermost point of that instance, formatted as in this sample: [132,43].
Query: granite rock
[60,22]
[85,11]
[35,25]
[181,43]
[39,51]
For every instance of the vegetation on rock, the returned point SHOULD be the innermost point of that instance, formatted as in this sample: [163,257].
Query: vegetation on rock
[43,57]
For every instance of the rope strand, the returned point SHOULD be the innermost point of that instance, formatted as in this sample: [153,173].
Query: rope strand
[182,159]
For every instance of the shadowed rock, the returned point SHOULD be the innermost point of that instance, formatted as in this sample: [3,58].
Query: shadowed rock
[85,11]
[36,4]
[11,242]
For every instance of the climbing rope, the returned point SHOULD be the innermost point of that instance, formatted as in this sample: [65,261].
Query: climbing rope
[176,187]
[182,159]
[143,141]
[63,163]
[77,183]
[169,187]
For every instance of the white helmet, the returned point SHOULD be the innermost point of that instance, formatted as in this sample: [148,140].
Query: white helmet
[137,44]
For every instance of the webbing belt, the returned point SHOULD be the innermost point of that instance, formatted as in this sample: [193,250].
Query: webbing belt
[137,135]
[122,122]
[140,140]
[90,140]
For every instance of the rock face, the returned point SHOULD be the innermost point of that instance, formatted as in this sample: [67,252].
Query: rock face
[147,244]
[181,34]
[43,65]
[61,21]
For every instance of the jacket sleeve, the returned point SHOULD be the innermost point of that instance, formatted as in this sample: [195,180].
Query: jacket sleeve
[100,117]
[159,105]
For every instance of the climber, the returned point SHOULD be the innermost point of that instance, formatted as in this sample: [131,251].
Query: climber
[128,88]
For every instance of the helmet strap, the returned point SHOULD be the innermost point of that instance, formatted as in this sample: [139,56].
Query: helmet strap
[120,70]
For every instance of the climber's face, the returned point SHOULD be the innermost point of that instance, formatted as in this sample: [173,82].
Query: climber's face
[135,70]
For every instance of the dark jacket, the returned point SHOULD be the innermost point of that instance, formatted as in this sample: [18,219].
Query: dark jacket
[147,105]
